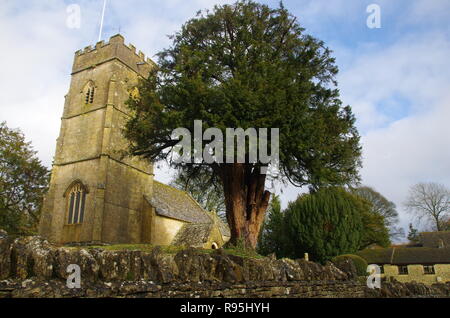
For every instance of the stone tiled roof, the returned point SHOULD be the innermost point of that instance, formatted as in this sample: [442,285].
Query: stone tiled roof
[434,239]
[406,255]
[194,235]
[223,227]
[176,204]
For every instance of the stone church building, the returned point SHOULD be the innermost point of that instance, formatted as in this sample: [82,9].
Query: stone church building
[98,196]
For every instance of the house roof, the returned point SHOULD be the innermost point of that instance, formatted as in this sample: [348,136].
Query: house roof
[406,255]
[435,239]
[177,204]
[193,235]
[223,227]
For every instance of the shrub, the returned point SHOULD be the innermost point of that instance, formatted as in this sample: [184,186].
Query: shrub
[359,262]
[324,224]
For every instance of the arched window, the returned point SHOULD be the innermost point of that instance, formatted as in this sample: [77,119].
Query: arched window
[89,93]
[76,198]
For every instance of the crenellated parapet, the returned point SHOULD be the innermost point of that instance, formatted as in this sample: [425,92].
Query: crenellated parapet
[115,48]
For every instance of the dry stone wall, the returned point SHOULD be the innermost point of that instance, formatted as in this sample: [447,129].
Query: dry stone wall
[32,267]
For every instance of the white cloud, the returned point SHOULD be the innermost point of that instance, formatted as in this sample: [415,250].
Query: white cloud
[401,152]
[409,151]
[431,13]
[416,68]
[38,50]
[36,58]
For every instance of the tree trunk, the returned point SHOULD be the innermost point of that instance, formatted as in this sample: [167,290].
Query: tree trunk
[246,202]
[438,223]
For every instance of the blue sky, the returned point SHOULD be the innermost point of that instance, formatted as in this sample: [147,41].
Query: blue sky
[396,78]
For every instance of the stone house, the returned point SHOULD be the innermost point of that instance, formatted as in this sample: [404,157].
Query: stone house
[98,195]
[428,262]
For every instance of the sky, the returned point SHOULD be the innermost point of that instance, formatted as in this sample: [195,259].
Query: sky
[396,77]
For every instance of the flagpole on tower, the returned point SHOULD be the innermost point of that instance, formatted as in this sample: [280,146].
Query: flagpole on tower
[101,22]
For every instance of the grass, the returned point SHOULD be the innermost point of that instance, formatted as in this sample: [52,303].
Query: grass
[137,247]
[232,250]
[242,252]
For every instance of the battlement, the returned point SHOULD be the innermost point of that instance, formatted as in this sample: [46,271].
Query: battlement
[115,48]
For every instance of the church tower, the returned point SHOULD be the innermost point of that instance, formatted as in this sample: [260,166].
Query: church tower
[95,194]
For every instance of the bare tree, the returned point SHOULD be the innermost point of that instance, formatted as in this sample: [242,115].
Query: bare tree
[430,201]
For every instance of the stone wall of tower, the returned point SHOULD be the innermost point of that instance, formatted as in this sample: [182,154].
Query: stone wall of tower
[90,150]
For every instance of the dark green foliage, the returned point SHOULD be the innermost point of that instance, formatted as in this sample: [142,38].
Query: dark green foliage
[23,182]
[375,231]
[272,234]
[413,234]
[360,263]
[324,224]
[247,65]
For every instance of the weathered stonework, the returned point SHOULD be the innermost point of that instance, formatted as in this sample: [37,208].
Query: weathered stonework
[38,269]
[117,190]
[88,150]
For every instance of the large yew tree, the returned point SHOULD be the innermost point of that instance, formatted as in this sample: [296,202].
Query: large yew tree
[241,66]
